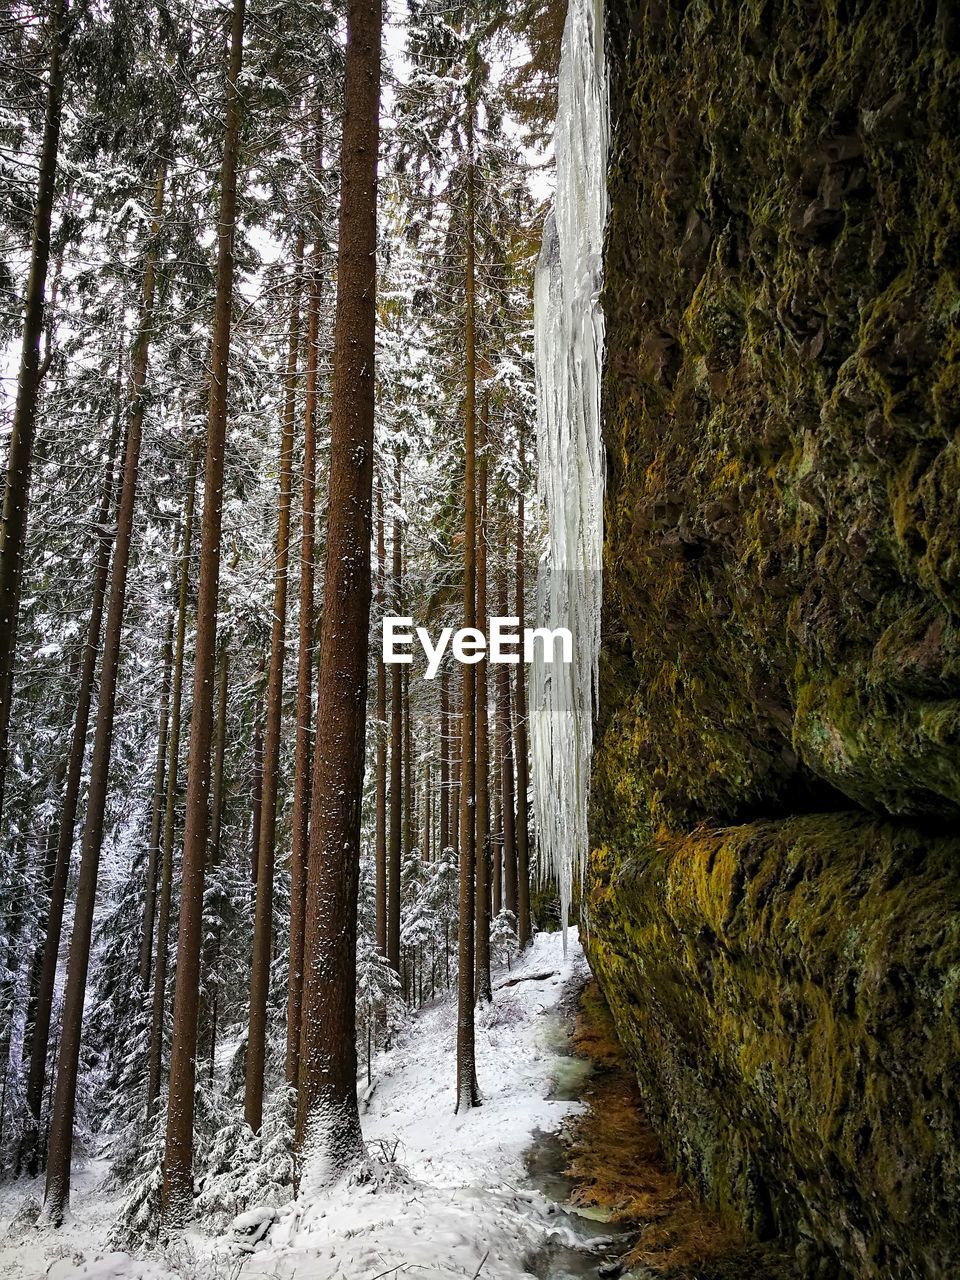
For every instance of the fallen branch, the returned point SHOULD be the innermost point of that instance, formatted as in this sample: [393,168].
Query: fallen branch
[526,977]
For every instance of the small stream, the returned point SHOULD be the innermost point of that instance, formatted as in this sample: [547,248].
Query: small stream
[582,1243]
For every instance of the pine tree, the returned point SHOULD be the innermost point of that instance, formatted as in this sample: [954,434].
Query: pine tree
[170,799]
[23,428]
[396,741]
[263,921]
[62,831]
[178,1156]
[157,808]
[381,741]
[484,990]
[303,748]
[327,1112]
[61,1130]
[520,726]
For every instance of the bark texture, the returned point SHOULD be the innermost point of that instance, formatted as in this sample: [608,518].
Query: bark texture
[328,1121]
[159,1003]
[263,917]
[178,1153]
[303,749]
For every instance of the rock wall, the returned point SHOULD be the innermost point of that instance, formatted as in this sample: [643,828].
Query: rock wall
[776,805]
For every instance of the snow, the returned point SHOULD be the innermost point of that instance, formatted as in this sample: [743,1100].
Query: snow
[458,1195]
[115,1266]
[78,1250]
[253,1218]
[568,346]
[446,1192]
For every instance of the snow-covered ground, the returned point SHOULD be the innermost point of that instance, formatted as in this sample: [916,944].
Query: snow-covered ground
[448,1196]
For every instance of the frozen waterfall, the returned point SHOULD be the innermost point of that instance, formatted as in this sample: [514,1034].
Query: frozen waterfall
[569,339]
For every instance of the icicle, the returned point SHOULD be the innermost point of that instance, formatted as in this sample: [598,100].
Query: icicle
[569,340]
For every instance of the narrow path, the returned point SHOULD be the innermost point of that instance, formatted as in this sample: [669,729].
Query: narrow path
[449,1194]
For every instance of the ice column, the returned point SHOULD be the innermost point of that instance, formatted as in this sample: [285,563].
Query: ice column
[569,341]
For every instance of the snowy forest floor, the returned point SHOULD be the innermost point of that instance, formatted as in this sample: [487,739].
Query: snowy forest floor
[452,1195]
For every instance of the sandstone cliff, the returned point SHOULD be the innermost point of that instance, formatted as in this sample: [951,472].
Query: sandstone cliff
[774,887]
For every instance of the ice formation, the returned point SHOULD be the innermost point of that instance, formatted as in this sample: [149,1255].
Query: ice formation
[569,340]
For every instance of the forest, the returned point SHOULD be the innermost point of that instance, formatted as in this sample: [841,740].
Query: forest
[267,277]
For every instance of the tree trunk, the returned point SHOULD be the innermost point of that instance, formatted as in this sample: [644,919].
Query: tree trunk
[396,750]
[522,832]
[156,814]
[256,780]
[427,805]
[219,749]
[61,836]
[381,715]
[15,912]
[155,1058]
[263,919]
[505,734]
[303,754]
[409,773]
[444,761]
[13,531]
[496,819]
[484,989]
[327,1113]
[467,1093]
[211,987]
[64,1102]
[178,1155]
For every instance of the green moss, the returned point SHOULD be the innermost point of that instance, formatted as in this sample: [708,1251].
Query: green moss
[781,400]
[782,611]
[789,992]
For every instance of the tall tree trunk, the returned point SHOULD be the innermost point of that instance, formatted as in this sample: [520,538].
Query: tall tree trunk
[256,779]
[64,1102]
[212,962]
[444,761]
[327,1110]
[14,911]
[505,735]
[381,715]
[427,811]
[263,919]
[219,750]
[467,1093]
[61,836]
[156,809]
[13,530]
[522,832]
[303,754]
[496,820]
[396,750]
[409,773]
[155,1056]
[28,1137]
[484,989]
[178,1154]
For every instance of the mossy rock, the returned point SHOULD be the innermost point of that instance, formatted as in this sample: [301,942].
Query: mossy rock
[782,613]
[782,401]
[790,994]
